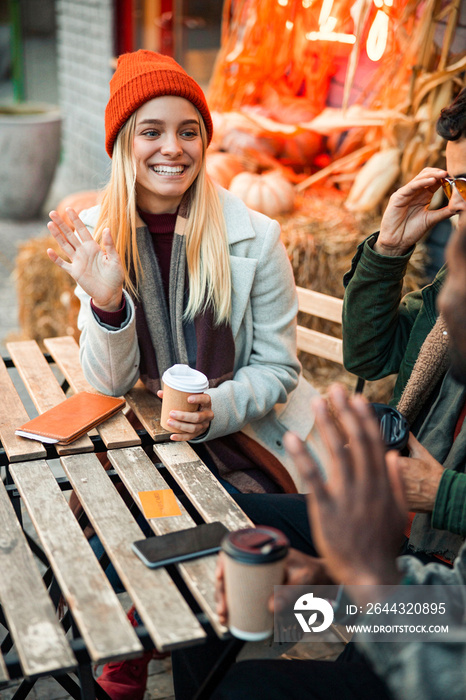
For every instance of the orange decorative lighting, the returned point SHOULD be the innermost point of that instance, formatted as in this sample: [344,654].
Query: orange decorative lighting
[327,24]
[378,34]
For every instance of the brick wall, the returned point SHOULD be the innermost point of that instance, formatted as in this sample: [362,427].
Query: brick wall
[85,48]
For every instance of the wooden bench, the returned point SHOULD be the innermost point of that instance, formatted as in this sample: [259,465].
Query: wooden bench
[324,345]
[314,342]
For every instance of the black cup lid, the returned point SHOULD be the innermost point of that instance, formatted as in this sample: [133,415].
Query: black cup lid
[256,545]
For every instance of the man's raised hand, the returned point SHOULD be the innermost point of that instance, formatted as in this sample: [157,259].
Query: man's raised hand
[407,217]
[357,515]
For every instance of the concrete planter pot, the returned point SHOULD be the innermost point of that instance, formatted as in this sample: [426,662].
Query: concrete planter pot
[29,152]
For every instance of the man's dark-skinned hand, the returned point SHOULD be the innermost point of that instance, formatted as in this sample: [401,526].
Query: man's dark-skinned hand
[357,517]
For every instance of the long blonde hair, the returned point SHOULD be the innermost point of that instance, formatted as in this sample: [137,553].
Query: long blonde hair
[207,253]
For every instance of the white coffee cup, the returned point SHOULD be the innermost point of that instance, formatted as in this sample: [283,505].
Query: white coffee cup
[179,382]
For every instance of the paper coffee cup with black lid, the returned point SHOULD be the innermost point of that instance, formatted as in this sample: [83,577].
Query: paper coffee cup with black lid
[254,560]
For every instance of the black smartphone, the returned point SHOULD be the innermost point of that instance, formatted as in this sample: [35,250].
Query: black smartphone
[181,545]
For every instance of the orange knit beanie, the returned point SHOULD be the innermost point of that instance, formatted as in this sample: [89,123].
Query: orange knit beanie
[141,76]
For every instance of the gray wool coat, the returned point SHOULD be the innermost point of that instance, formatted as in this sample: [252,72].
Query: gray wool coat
[267,395]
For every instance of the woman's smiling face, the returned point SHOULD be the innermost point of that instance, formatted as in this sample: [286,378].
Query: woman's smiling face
[168,152]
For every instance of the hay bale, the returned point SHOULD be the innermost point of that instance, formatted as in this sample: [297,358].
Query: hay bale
[47,306]
[321,238]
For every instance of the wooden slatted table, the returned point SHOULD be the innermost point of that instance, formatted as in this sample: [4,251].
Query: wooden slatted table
[36,641]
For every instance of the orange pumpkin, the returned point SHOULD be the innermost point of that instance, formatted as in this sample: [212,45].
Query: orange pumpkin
[246,143]
[297,150]
[300,151]
[79,201]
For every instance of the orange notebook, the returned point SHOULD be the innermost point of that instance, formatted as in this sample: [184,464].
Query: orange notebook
[72,418]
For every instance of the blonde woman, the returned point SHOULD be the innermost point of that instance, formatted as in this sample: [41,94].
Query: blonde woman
[172,269]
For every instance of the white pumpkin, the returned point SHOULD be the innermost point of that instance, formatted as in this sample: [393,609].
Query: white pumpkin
[222,167]
[269,193]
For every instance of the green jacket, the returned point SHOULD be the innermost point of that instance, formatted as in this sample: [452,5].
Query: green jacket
[382,335]
[383,332]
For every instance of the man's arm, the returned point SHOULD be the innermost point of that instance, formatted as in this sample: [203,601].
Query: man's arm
[429,670]
[356,517]
[449,512]
[430,488]
[421,477]
[414,670]
[407,217]
[376,323]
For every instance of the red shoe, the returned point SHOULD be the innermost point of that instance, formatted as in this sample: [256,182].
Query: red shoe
[126,680]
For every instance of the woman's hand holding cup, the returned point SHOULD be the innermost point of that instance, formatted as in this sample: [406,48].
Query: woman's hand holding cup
[190,425]
[186,409]
[98,270]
